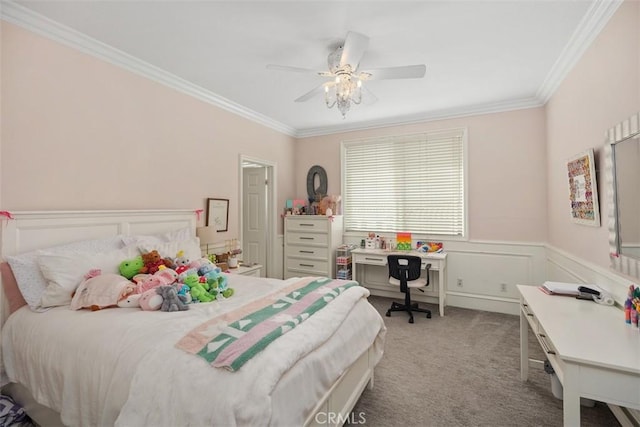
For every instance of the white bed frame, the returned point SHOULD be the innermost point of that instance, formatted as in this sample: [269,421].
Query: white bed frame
[28,231]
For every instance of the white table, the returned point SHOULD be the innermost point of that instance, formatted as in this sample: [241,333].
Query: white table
[593,352]
[438,263]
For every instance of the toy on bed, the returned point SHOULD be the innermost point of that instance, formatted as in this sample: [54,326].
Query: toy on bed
[181,262]
[217,281]
[164,276]
[130,267]
[199,291]
[98,291]
[163,298]
[152,261]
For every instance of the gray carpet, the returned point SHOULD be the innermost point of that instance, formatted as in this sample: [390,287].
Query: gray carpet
[461,370]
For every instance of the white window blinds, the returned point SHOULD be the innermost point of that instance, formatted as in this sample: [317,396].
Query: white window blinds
[411,183]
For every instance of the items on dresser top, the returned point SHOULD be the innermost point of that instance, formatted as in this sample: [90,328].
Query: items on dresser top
[310,242]
[247,270]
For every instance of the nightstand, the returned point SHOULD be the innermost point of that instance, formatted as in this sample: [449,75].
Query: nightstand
[247,270]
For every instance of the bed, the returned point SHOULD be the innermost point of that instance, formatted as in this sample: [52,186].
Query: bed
[125,366]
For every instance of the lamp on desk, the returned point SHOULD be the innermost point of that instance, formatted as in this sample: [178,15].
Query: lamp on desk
[208,236]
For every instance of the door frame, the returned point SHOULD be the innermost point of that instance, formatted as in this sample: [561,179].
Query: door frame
[272,202]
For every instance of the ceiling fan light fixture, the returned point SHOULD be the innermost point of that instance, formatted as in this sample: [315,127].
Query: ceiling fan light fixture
[346,90]
[344,69]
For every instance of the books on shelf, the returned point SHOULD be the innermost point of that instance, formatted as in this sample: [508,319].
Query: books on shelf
[561,288]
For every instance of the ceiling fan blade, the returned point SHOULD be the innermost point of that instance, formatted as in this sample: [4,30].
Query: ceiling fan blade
[312,93]
[354,47]
[368,98]
[404,72]
[294,69]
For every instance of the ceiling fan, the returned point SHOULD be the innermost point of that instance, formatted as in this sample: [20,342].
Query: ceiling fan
[345,86]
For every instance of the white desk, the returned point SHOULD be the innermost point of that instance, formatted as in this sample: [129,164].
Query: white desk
[438,263]
[594,353]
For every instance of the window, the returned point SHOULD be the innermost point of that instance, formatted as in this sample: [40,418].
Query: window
[411,183]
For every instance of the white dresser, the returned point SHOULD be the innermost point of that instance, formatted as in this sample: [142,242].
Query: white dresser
[310,242]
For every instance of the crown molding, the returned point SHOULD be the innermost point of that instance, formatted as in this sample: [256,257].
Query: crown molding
[26,18]
[590,26]
[453,113]
[596,18]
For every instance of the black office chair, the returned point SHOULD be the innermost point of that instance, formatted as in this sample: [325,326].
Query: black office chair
[404,270]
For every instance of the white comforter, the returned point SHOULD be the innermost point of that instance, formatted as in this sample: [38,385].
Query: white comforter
[120,366]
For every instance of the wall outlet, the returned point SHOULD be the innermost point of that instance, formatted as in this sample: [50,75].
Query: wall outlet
[503,287]
[460,282]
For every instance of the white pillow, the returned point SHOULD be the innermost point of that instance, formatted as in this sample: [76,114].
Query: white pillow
[176,235]
[30,280]
[191,248]
[64,271]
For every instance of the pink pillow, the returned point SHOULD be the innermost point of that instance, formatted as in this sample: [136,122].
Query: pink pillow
[104,290]
[10,285]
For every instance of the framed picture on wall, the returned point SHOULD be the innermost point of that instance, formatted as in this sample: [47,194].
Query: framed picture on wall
[218,214]
[583,189]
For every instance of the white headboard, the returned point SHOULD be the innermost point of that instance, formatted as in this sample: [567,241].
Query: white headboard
[28,231]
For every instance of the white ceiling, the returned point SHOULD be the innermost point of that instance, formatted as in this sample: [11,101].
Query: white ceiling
[481,56]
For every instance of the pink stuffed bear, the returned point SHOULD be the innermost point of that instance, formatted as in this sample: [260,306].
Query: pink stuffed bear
[150,300]
[145,282]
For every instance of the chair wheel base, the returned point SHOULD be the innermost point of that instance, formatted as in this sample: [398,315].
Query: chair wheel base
[410,308]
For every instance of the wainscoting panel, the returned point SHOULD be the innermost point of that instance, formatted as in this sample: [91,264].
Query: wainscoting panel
[564,267]
[480,275]
[484,275]
[486,268]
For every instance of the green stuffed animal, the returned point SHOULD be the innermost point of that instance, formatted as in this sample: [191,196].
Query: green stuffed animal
[198,291]
[130,267]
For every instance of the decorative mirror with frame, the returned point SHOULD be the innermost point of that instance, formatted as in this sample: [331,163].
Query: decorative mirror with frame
[622,150]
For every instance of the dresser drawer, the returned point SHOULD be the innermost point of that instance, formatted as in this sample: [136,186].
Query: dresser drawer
[307,252]
[303,267]
[314,225]
[299,238]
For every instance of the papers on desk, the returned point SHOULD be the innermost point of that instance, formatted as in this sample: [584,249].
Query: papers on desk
[560,288]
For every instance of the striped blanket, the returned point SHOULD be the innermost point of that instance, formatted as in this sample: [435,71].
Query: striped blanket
[230,340]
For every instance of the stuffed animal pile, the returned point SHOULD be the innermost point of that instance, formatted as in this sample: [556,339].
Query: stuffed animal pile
[172,284]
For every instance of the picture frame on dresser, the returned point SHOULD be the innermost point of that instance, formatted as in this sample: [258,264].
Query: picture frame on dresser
[218,214]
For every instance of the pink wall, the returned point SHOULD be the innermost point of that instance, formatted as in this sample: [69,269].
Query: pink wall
[507,182]
[601,90]
[80,133]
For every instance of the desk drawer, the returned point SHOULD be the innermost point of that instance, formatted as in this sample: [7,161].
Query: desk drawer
[297,238]
[307,252]
[375,259]
[531,318]
[370,259]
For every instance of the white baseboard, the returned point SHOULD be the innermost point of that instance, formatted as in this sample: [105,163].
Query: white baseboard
[483,302]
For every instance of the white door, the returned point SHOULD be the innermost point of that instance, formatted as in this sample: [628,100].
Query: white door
[254,212]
